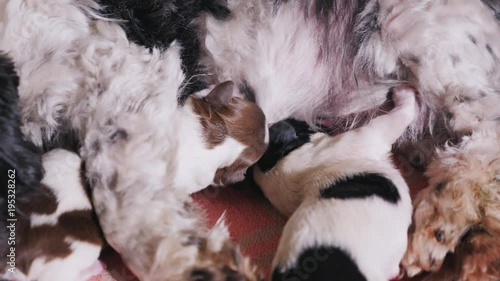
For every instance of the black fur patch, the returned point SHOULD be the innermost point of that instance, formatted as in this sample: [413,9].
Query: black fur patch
[441,186]
[455,59]
[494,5]
[363,186]
[247,91]
[201,275]
[156,24]
[20,161]
[15,152]
[472,38]
[321,264]
[490,51]
[284,137]
[66,138]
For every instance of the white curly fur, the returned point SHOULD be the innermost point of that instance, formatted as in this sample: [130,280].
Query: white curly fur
[449,49]
[463,193]
[78,71]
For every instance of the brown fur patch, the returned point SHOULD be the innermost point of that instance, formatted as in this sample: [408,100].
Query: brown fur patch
[477,259]
[80,225]
[48,241]
[226,265]
[240,119]
[45,203]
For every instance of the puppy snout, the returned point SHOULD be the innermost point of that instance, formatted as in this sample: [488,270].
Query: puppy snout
[432,263]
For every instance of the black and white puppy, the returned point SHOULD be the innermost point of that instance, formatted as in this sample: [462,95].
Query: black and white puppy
[350,207]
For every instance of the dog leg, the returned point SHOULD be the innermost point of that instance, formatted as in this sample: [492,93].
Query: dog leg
[391,126]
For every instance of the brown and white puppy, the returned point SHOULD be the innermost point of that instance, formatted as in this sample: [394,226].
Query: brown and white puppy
[233,137]
[142,178]
[463,193]
[56,238]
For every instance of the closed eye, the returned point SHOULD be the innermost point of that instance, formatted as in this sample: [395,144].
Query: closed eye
[439,234]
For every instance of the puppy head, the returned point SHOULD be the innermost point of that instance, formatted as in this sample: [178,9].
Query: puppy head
[227,120]
[435,232]
[284,137]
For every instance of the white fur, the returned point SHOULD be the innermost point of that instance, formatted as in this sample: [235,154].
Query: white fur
[266,59]
[196,156]
[280,55]
[450,65]
[62,169]
[73,268]
[426,43]
[372,231]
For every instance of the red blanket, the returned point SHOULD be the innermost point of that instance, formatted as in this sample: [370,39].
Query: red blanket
[253,223]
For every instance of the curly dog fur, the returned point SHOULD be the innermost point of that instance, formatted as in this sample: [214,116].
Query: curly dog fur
[144,152]
[464,194]
[310,60]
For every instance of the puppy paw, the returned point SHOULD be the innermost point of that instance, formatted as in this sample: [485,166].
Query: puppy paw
[434,233]
[227,264]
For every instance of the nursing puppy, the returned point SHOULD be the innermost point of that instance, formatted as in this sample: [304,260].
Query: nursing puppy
[344,196]
[55,237]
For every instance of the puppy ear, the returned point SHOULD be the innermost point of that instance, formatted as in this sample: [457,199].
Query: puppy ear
[221,94]
[424,206]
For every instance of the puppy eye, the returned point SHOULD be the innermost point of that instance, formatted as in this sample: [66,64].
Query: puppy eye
[439,234]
